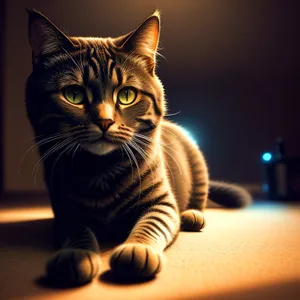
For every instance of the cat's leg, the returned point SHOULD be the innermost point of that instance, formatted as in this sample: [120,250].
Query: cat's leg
[77,261]
[192,219]
[142,253]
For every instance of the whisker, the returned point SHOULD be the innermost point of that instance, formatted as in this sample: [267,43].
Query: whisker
[174,114]
[51,150]
[32,138]
[78,146]
[163,128]
[137,167]
[160,55]
[123,147]
[81,62]
[144,155]
[152,148]
[44,141]
[80,70]
[54,148]
[68,146]
[152,140]
[164,149]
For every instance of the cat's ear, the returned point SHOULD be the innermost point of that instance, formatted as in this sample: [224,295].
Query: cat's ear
[144,40]
[44,37]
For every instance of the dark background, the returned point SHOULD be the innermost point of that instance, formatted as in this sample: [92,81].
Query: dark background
[231,68]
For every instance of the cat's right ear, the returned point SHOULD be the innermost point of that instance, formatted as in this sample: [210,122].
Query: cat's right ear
[44,37]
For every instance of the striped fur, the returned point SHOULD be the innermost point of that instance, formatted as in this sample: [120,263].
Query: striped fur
[132,181]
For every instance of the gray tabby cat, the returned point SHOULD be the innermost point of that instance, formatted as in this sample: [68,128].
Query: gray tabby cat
[113,166]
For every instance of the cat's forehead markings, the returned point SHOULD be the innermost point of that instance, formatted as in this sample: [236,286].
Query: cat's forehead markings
[92,51]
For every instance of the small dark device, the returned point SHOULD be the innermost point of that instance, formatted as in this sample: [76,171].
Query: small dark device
[281,174]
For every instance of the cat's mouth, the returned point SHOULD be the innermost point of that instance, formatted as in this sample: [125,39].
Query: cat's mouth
[102,143]
[100,146]
[99,139]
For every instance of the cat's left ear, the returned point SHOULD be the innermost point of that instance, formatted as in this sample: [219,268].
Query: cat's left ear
[143,41]
[44,37]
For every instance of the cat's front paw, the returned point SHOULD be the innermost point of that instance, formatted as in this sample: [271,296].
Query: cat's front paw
[73,267]
[192,220]
[136,260]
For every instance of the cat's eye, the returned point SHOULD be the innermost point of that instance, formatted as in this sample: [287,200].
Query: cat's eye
[74,94]
[127,95]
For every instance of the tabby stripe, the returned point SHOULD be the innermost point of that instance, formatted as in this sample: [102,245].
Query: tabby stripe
[160,211]
[149,230]
[157,110]
[118,178]
[104,55]
[110,69]
[146,231]
[153,202]
[138,197]
[107,53]
[150,189]
[96,54]
[198,172]
[95,66]
[119,76]
[158,219]
[200,184]
[134,200]
[196,165]
[103,74]
[157,227]
[199,194]
[134,185]
[91,52]
[148,122]
[124,196]
[146,130]
[108,48]
[169,204]
[86,74]
[126,129]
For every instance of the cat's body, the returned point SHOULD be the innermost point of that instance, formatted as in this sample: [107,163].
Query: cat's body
[114,167]
[91,189]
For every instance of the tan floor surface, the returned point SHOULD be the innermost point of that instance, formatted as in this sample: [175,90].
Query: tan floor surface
[252,253]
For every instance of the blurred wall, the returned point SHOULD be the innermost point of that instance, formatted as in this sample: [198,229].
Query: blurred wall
[230,69]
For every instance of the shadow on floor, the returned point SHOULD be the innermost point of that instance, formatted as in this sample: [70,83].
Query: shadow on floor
[109,278]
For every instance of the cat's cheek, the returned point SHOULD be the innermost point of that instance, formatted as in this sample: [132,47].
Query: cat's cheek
[100,149]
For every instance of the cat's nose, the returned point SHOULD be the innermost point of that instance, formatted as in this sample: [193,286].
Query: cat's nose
[104,124]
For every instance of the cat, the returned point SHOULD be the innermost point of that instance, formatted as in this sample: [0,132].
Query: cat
[114,167]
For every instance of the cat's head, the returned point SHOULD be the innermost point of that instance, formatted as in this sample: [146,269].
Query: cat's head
[100,93]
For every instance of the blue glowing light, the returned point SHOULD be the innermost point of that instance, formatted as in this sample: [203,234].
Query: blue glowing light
[265,187]
[267,156]
[189,136]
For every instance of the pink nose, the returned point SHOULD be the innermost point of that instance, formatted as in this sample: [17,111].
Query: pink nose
[104,124]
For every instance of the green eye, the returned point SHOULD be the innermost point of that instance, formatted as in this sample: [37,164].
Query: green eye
[74,94]
[127,95]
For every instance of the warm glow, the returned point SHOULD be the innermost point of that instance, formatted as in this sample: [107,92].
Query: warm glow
[25,214]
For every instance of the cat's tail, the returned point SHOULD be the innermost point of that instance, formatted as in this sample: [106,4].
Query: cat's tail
[228,195]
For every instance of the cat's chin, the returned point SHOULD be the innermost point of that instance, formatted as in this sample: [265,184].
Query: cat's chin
[102,148]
